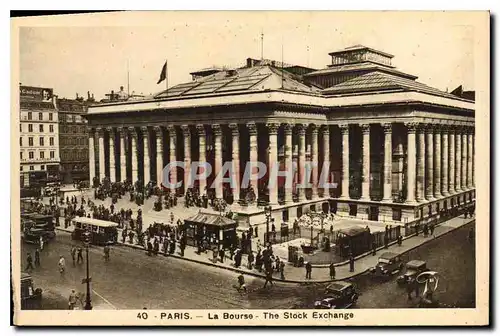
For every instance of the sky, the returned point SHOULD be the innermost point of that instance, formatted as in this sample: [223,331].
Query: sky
[80,53]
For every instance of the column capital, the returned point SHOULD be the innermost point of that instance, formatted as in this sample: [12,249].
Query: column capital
[132,131]
[429,128]
[325,129]
[144,130]
[412,126]
[288,128]
[344,128]
[90,130]
[158,130]
[200,128]
[100,131]
[272,127]
[171,131]
[387,127]
[185,130]
[470,130]
[365,128]
[216,129]
[111,130]
[234,129]
[314,129]
[252,128]
[301,128]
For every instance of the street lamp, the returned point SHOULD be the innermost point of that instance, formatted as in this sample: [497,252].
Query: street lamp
[267,212]
[87,237]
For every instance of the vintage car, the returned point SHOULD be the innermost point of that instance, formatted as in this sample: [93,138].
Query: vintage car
[30,297]
[338,295]
[32,236]
[413,269]
[389,263]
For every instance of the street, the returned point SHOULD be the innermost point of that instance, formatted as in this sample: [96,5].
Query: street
[133,280]
[452,255]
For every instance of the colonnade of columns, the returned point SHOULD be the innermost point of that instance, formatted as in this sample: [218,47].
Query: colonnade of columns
[439,158]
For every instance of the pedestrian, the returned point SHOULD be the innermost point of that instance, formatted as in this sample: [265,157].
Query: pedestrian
[269,278]
[29,262]
[351,263]
[62,265]
[400,240]
[426,230]
[214,254]
[72,300]
[37,258]
[374,247]
[256,231]
[231,252]
[417,226]
[79,255]
[386,242]
[106,253]
[308,269]
[409,288]
[332,271]
[41,243]
[282,270]
[432,229]
[222,253]
[250,259]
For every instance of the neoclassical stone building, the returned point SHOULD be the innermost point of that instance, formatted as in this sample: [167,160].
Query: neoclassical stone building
[398,149]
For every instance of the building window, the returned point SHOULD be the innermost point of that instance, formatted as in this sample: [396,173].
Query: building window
[52,154]
[51,128]
[32,167]
[21,155]
[41,128]
[51,141]
[50,116]
[20,127]
[31,155]
[30,141]
[42,167]
[29,116]
[42,155]
[74,119]
[21,168]
[40,116]
[20,141]
[30,127]
[42,141]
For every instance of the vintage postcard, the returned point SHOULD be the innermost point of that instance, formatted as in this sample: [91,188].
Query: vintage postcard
[251,168]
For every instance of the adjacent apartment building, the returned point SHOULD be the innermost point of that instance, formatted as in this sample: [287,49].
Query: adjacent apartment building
[39,136]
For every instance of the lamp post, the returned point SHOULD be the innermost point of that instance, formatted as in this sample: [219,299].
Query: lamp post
[267,211]
[87,280]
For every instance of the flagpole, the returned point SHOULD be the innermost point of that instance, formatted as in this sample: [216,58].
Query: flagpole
[166,74]
[128,78]
[282,65]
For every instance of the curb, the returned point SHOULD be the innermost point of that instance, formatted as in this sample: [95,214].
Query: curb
[237,270]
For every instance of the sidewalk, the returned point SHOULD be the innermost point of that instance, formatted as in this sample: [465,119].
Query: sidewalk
[320,274]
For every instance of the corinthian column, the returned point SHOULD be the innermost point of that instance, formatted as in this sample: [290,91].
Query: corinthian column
[451,161]
[253,156]
[410,183]
[444,162]
[470,135]
[437,162]
[203,157]
[421,163]
[344,128]
[147,166]
[102,171]
[172,134]
[134,153]
[302,161]
[458,160]
[365,186]
[91,155]
[429,190]
[159,155]
[463,175]
[288,162]
[122,155]
[387,197]
[218,160]
[112,166]
[235,161]
[187,157]
[273,162]
[326,159]
[314,161]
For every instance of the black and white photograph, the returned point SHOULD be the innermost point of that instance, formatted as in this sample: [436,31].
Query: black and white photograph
[251,168]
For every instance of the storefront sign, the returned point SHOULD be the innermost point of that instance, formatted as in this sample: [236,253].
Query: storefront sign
[36,93]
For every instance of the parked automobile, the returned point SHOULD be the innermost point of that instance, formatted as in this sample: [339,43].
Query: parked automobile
[413,269]
[31,298]
[338,295]
[389,263]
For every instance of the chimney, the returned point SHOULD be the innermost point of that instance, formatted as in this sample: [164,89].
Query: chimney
[88,95]
[249,62]
[77,95]
[121,88]
[112,97]
[92,96]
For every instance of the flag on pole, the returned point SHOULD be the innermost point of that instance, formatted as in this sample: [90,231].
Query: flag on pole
[163,74]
